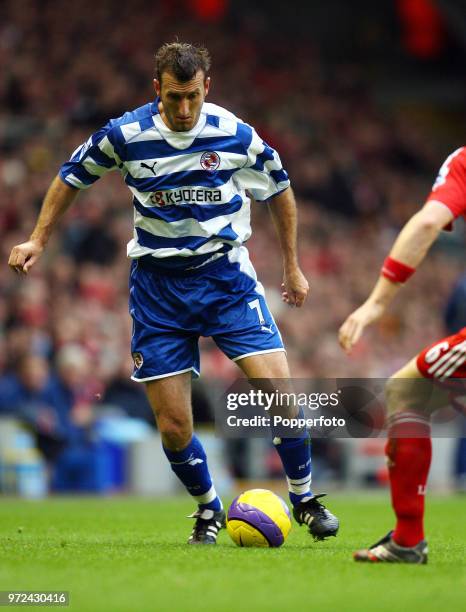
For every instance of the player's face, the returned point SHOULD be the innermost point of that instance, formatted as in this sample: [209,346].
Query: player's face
[181,103]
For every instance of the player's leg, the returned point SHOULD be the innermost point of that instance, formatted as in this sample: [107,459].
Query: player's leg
[271,369]
[244,329]
[165,350]
[170,399]
[410,400]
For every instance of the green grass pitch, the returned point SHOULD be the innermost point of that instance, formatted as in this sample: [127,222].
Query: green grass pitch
[127,554]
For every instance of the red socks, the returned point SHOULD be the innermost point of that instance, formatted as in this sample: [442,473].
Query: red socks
[408,464]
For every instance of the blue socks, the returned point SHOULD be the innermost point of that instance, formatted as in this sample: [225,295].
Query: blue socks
[190,465]
[295,454]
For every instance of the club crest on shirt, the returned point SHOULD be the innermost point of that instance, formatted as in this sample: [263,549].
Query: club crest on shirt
[210,161]
[138,360]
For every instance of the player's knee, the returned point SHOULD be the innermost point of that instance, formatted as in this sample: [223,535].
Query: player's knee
[176,432]
[403,395]
[396,395]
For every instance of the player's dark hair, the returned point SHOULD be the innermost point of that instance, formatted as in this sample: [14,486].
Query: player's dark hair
[181,60]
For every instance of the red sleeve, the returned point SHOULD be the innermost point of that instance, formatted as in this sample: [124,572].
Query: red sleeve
[450,186]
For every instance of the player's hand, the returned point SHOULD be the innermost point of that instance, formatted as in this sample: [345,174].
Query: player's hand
[294,287]
[24,256]
[353,327]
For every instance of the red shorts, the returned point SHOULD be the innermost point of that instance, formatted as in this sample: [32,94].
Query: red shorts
[445,360]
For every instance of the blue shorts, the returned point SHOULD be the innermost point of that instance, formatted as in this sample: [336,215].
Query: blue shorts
[170,311]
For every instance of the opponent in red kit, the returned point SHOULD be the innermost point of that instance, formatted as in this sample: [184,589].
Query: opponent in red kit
[409,447]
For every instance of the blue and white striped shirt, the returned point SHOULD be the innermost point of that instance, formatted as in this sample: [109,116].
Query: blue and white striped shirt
[190,189]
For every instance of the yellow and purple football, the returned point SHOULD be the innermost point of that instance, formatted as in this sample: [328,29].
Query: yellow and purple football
[258,517]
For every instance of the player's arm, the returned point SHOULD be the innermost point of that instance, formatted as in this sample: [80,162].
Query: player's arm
[283,210]
[57,200]
[263,177]
[409,250]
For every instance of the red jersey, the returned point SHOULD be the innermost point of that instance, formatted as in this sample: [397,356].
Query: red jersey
[445,360]
[450,185]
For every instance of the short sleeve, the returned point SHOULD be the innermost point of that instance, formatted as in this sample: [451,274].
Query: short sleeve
[450,185]
[91,160]
[262,175]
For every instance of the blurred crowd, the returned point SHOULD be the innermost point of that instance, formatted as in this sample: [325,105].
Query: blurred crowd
[359,173]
